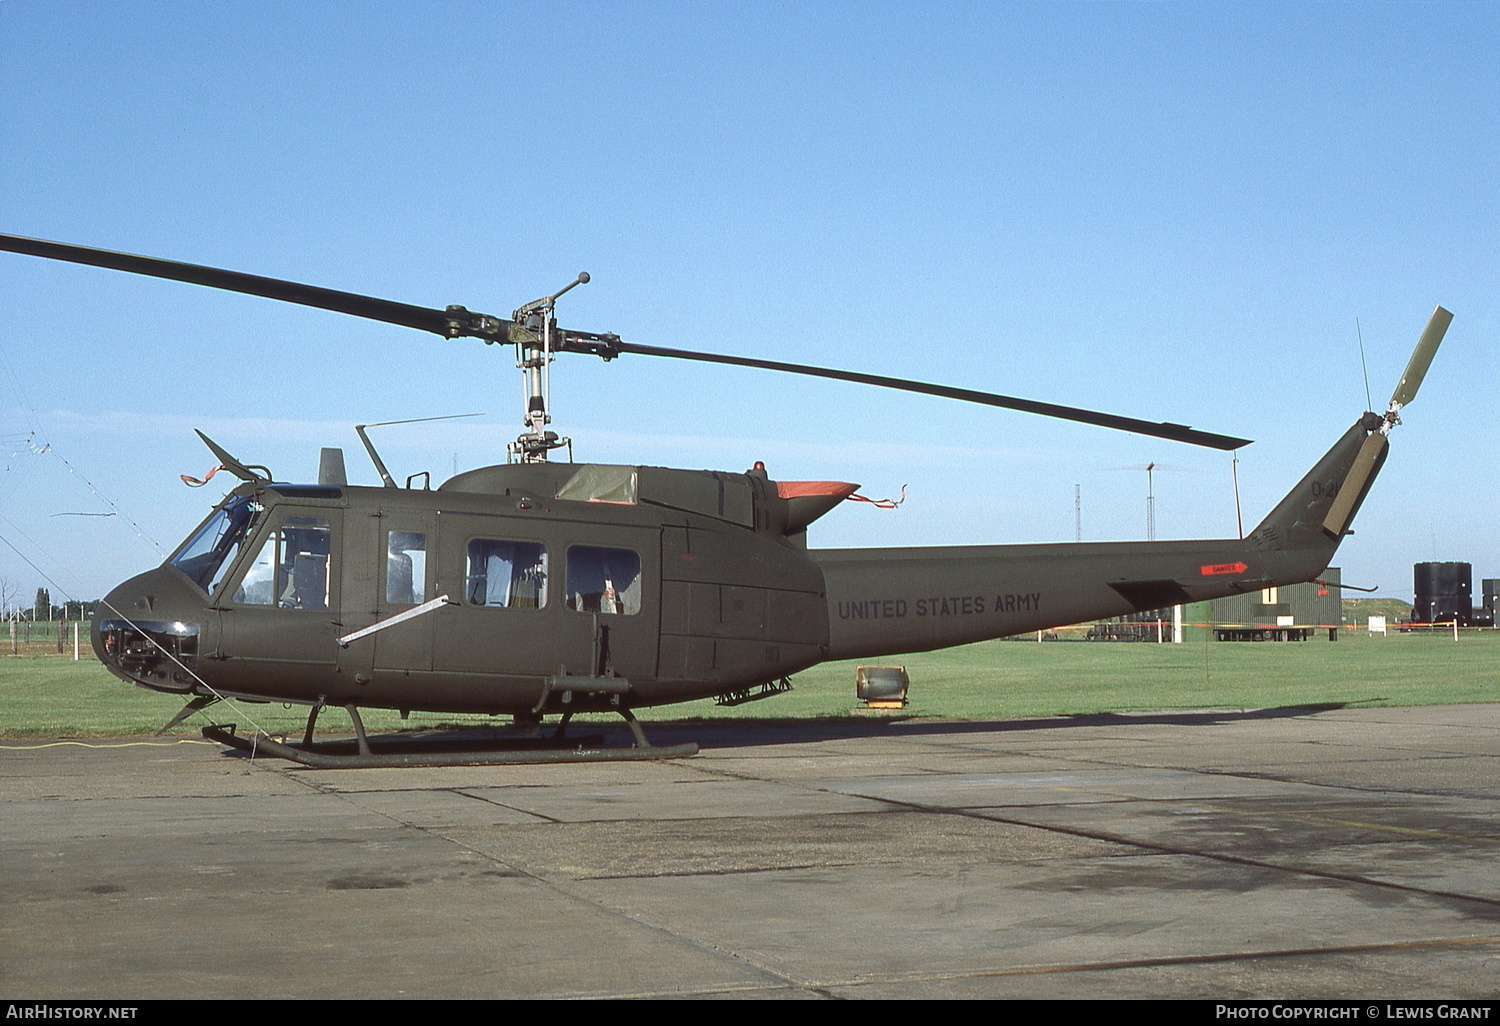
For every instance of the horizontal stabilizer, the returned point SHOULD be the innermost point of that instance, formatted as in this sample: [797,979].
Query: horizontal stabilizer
[1152,594]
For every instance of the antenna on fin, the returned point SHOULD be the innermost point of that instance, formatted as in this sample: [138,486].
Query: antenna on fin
[1369,403]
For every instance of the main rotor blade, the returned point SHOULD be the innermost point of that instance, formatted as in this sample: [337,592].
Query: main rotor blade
[1175,432]
[456,321]
[1421,357]
[449,323]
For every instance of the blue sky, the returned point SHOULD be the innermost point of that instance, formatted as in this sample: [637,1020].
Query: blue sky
[1171,211]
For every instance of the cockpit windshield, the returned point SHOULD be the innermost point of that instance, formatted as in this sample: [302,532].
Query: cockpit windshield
[208,554]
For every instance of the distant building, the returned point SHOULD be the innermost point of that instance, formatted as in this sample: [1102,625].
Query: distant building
[1295,612]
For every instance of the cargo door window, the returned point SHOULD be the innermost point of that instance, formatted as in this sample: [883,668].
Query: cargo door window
[604,580]
[506,574]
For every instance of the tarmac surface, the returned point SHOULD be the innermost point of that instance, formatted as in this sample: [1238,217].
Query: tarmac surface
[1265,854]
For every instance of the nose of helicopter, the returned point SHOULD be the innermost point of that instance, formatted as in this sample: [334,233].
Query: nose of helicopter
[147,629]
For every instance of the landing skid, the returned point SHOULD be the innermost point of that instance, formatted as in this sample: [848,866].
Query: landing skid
[360,754]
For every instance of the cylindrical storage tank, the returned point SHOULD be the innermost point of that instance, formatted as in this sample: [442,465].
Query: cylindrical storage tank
[1443,593]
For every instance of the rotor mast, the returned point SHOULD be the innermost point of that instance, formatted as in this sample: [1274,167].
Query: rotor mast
[535,335]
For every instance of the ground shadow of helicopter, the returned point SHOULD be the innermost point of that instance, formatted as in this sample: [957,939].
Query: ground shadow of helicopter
[536,588]
[448,746]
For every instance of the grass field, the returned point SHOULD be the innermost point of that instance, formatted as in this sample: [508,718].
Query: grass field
[57,697]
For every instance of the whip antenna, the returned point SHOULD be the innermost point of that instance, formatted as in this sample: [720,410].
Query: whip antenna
[1369,403]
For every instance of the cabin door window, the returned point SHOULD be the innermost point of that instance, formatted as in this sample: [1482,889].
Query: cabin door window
[405,567]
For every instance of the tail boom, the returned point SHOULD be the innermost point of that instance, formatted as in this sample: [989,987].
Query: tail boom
[887,601]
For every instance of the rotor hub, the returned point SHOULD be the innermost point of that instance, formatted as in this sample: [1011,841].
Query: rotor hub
[534,332]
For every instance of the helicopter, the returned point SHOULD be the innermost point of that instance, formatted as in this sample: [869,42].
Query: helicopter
[540,588]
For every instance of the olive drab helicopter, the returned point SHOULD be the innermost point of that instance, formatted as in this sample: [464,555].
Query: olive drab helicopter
[537,588]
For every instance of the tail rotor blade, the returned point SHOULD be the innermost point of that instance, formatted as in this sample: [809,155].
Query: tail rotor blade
[1372,452]
[1421,357]
[1366,461]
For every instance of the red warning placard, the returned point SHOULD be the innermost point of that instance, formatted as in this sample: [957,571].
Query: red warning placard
[1214,569]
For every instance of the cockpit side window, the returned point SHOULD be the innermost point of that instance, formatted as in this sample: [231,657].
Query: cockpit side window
[291,570]
[207,556]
